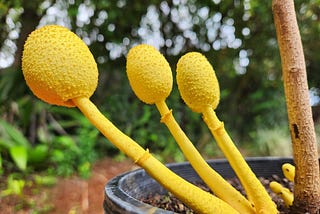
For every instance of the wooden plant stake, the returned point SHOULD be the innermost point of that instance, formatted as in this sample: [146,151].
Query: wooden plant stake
[307,180]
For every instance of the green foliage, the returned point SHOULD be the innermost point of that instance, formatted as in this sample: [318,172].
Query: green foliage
[1,166]
[38,154]
[45,180]
[273,142]
[10,136]
[15,143]
[73,153]
[14,187]
[16,184]
[62,155]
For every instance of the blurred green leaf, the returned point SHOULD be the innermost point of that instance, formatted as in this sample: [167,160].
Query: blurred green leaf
[84,169]
[1,168]
[57,155]
[38,154]
[46,180]
[20,156]
[12,135]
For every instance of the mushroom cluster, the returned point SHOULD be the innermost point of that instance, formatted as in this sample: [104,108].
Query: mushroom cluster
[60,69]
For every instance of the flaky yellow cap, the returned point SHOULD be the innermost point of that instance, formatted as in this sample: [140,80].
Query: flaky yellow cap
[58,66]
[197,82]
[149,74]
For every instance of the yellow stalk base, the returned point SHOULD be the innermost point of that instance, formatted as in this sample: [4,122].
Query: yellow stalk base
[214,180]
[253,187]
[283,192]
[197,199]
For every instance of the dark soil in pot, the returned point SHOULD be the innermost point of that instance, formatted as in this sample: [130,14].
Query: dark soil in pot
[136,192]
[171,203]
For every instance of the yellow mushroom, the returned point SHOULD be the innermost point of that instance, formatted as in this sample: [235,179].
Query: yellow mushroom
[289,171]
[143,73]
[58,66]
[150,77]
[59,69]
[199,89]
[192,69]
[283,192]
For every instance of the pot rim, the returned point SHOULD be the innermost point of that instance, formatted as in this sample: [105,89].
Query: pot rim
[117,196]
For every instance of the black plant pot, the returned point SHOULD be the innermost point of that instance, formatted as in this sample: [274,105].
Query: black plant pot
[123,192]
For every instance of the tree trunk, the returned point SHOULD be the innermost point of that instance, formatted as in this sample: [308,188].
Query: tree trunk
[307,180]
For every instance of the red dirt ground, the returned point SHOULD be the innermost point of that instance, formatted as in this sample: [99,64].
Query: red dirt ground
[72,195]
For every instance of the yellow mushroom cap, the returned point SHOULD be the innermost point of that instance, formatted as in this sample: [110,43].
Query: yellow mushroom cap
[197,82]
[58,66]
[149,74]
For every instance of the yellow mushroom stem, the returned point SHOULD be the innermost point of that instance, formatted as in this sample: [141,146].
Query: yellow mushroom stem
[197,199]
[283,192]
[214,180]
[253,187]
[289,171]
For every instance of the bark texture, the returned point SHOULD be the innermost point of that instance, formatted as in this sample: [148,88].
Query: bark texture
[307,180]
